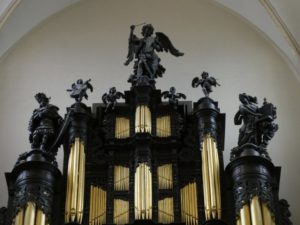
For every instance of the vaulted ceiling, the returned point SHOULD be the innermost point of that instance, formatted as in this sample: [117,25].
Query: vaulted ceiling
[277,20]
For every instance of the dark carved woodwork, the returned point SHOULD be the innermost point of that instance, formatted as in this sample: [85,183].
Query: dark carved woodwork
[36,177]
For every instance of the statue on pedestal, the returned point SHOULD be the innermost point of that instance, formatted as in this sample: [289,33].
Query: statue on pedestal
[173,96]
[44,124]
[110,98]
[206,82]
[79,89]
[143,50]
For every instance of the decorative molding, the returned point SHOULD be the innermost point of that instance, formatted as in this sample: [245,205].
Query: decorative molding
[8,11]
[281,25]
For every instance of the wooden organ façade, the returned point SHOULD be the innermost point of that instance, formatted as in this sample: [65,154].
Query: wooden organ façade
[146,160]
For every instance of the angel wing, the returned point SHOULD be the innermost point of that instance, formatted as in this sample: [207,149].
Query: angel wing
[104,97]
[180,95]
[120,95]
[89,86]
[166,44]
[195,82]
[165,94]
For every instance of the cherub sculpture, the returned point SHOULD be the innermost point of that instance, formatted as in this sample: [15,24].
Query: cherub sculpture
[173,96]
[143,50]
[44,124]
[110,98]
[79,89]
[206,83]
[258,127]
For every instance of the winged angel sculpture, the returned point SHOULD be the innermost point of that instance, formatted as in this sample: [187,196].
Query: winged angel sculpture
[143,50]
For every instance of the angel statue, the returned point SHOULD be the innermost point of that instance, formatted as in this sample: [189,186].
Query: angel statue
[79,89]
[143,50]
[206,83]
[173,96]
[110,98]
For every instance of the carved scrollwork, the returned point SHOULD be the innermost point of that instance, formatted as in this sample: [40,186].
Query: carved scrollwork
[40,194]
[244,191]
[285,213]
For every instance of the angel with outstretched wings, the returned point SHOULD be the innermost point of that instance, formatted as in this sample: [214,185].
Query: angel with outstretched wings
[173,96]
[110,98]
[206,82]
[143,51]
[79,89]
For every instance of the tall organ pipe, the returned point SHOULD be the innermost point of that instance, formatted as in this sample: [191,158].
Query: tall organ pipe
[75,183]
[207,113]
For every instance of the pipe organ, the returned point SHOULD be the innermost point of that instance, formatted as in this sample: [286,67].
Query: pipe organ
[163,126]
[75,183]
[122,129]
[146,160]
[143,192]
[166,211]
[143,119]
[211,179]
[189,208]
[97,210]
[31,215]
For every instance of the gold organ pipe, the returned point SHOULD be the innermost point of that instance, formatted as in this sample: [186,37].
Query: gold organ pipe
[256,213]
[81,179]
[211,178]
[205,176]
[165,179]
[121,210]
[121,178]
[74,181]
[217,179]
[91,206]
[165,211]
[97,206]
[40,218]
[143,119]
[245,215]
[69,185]
[122,127]
[30,213]
[19,220]
[143,192]
[238,221]
[267,217]
[189,209]
[163,126]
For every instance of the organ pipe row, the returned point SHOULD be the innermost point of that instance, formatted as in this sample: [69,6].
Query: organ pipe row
[122,128]
[143,192]
[32,215]
[165,176]
[211,179]
[189,206]
[121,178]
[166,211]
[255,213]
[163,126]
[121,212]
[143,119]
[97,212]
[75,183]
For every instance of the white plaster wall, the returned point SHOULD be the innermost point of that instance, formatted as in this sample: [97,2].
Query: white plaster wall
[89,40]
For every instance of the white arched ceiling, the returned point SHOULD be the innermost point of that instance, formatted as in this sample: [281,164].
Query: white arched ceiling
[282,30]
